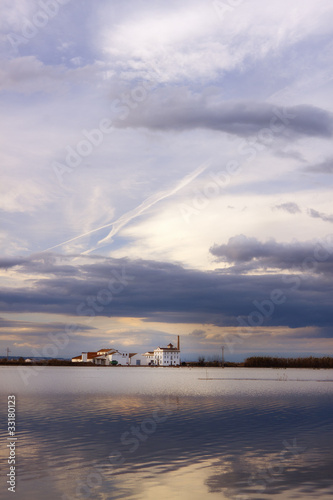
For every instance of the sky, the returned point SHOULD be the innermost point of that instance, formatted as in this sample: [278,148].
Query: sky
[166,169]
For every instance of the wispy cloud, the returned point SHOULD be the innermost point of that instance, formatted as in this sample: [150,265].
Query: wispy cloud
[290,207]
[319,215]
[125,219]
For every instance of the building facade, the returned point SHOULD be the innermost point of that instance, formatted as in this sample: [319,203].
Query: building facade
[103,357]
[167,356]
[136,359]
[111,357]
[164,356]
[149,355]
[85,357]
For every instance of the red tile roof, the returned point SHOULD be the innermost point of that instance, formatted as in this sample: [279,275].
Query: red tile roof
[91,355]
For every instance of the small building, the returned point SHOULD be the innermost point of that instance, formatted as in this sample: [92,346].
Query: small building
[102,357]
[88,357]
[103,352]
[149,355]
[136,359]
[110,357]
[122,358]
[85,357]
[100,360]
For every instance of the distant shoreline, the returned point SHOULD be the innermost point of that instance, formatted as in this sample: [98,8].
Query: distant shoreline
[325,362]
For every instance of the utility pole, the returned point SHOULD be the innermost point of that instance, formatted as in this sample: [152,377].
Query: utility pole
[223,356]
[8,351]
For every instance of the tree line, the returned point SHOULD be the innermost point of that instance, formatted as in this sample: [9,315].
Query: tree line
[271,362]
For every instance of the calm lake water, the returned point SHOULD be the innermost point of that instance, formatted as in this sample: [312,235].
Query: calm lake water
[168,433]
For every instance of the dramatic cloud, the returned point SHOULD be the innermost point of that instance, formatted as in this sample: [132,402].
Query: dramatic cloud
[250,254]
[8,262]
[135,137]
[161,292]
[180,111]
[33,328]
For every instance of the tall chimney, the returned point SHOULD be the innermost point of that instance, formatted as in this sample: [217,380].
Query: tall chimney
[178,344]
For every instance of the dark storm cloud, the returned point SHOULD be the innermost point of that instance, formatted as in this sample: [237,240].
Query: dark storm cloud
[290,207]
[47,263]
[249,254]
[177,110]
[8,262]
[167,292]
[42,263]
[35,327]
[325,167]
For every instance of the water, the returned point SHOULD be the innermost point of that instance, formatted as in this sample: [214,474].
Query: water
[168,433]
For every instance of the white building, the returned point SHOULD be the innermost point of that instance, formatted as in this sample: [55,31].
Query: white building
[122,358]
[103,352]
[164,356]
[136,359]
[149,355]
[85,357]
[103,357]
[111,357]
[167,356]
